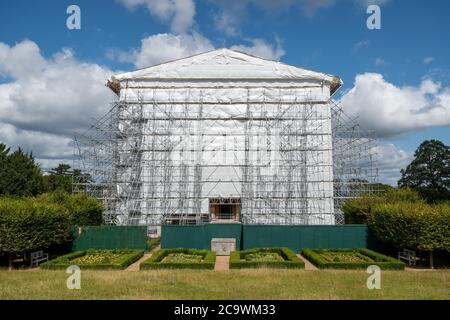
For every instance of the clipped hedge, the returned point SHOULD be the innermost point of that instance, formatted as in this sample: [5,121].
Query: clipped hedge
[382,261]
[156,260]
[290,259]
[127,257]
[29,225]
[358,210]
[413,226]
[82,209]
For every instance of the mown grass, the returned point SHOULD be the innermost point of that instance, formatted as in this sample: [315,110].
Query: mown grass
[234,284]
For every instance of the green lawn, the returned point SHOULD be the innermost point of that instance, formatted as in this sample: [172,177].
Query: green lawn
[233,284]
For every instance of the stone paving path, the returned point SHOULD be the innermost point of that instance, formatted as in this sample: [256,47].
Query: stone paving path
[308,265]
[222,263]
[135,266]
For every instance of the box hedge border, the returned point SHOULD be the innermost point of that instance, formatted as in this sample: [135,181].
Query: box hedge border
[290,259]
[380,260]
[129,257]
[154,262]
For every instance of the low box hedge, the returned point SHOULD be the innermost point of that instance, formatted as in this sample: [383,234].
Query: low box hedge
[126,258]
[208,260]
[290,259]
[373,258]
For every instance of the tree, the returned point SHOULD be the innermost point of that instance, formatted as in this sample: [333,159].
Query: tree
[20,175]
[429,172]
[59,179]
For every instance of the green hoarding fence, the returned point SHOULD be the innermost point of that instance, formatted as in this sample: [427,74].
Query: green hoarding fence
[109,237]
[199,236]
[295,237]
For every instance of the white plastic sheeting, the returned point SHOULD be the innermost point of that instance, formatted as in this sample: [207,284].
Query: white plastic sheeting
[225,124]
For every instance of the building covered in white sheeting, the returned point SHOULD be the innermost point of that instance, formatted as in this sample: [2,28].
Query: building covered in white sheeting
[219,136]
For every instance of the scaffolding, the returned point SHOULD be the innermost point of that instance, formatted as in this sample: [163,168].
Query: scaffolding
[290,159]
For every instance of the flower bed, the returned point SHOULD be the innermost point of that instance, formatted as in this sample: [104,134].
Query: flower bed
[180,258]
[350,259]
[265,257]
[96,259]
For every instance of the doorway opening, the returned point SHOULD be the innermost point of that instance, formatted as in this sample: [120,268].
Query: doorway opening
[225,209]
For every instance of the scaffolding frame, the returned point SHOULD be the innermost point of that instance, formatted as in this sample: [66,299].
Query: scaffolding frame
[289,162]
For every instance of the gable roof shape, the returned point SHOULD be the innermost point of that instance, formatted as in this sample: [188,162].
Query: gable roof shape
[223,64]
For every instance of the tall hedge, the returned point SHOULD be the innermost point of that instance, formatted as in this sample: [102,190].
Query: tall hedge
[82,209]
[416,226]
[28,225]
[356,211]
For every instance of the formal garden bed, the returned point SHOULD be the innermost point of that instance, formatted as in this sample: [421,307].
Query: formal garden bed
[96,259]
[180,258]
[350,259]
[265,257]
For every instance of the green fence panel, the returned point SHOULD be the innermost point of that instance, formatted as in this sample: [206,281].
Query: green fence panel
[295,237]
[298,237]
[199,236]
[177,236]
[109,237]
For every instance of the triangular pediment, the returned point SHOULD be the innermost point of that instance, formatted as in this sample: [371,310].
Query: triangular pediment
[223,64]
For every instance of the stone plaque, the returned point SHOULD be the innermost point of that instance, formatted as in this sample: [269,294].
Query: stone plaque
[223,246]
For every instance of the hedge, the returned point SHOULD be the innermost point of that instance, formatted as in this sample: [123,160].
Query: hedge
[357,211]
[152,243]
[290,259]
[129,257]
[155,261]
[412,226]
[29,225]
[82,209]
[380,260]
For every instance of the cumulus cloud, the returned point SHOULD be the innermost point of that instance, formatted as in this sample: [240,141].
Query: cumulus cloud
[390,160]
[47,100]
[391,110]
[172,47]
[178,13]
[261,48]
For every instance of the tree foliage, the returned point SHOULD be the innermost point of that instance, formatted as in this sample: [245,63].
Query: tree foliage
[20,175]
[429,172]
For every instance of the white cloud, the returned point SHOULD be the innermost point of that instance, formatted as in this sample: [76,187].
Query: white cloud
[231,13]
[390,110]
[169,47]
[178,13]
[390,160]
[366,3]
[261,48]
[172,47]
[48,100]
[428,60]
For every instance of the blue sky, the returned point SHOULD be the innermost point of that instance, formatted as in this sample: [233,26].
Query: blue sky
[406,62]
